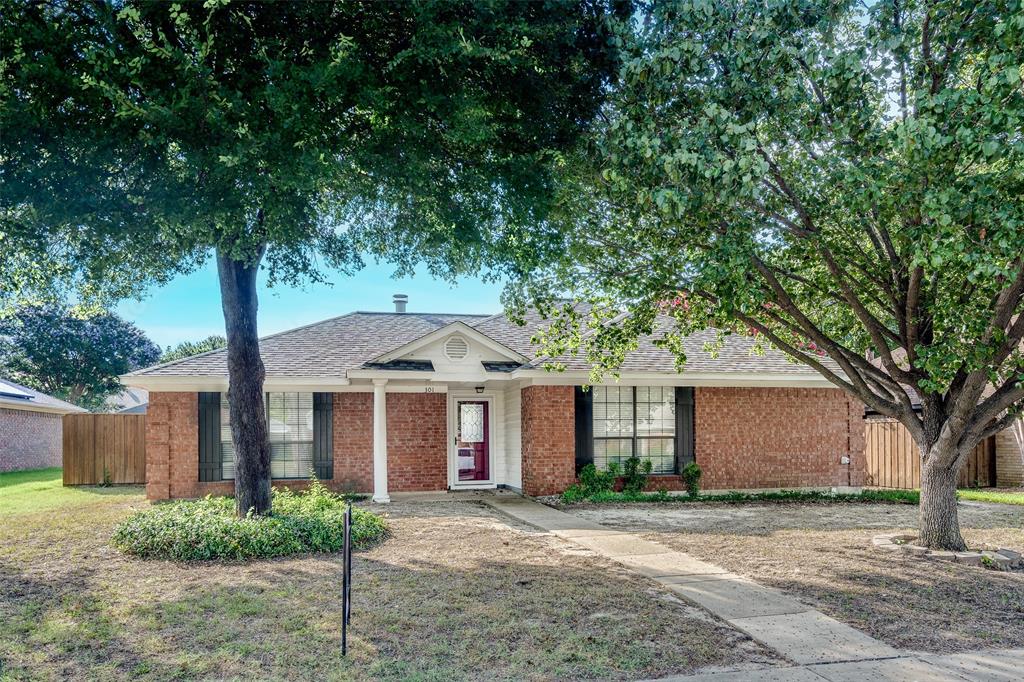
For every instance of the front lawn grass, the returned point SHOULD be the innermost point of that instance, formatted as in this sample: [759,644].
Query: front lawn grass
[822,554]
[991,495]
[37,490]
[454,594]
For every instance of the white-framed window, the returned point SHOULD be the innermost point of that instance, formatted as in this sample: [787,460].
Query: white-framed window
[639,421]
[290,426]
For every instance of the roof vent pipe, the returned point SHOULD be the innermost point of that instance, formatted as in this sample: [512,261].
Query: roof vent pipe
[400,301]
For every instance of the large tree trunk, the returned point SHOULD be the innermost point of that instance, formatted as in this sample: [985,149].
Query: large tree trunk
[245,384]
[939,525]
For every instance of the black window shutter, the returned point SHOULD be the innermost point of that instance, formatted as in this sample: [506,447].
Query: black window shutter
[685,431]
[209,437]
[323,436]
[584,428]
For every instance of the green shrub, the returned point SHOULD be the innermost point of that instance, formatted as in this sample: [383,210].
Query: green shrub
[613,496]
[736,497]
[634,474]
[594,481]
[573,494]
[691,474]
[898,496]
[193,530]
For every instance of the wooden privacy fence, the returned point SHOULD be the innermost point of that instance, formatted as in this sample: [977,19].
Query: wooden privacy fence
[115,443]
[894,461]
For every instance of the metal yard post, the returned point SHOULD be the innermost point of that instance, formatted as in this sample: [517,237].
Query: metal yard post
[346,578]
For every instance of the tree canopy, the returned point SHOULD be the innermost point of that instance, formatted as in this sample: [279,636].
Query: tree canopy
[841,182]
[141,135]
[187,349]
[77,358]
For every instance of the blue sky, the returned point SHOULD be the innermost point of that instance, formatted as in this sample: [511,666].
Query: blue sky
[188,308]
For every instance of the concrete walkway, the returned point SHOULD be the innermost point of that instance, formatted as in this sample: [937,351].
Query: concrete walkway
[979,666]
[821,647]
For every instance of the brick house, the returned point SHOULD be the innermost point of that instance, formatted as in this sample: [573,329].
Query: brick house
[401,402]
[30,427]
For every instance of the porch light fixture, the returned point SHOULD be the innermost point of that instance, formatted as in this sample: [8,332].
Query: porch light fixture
[479,389]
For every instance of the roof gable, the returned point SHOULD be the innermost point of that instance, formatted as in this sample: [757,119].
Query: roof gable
[458,328]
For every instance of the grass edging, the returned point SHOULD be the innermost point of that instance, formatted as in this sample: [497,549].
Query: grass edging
[208,529]
[736,497]
[990,495]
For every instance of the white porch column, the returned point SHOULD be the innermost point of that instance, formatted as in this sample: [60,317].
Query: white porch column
[380,442]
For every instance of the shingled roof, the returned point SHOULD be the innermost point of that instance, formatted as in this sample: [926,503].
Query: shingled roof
[332,347]
[322,349]
[16,396]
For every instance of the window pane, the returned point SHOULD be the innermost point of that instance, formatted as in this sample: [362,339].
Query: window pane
[656,411]
[661,452]
[471,422]
[290,430]
[613,411]
[227,447]
[612,450]
[290,460]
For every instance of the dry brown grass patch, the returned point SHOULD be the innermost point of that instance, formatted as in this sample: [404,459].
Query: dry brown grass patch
[456,593]
[822,554]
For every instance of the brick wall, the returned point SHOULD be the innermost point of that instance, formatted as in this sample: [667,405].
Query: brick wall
[353,442]
[172,450]
[417,442]
[746,438]
[778,438]
[1010,456]
[29,440]
[548,439]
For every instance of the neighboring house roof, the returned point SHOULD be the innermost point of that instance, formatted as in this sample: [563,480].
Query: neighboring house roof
[364,342]
[18,397]
[128,401]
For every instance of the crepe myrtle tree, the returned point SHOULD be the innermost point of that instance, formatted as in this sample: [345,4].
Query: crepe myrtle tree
[76,355]
[142,137]
[840,182]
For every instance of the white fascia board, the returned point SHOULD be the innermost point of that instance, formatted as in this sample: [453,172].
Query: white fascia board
[391,374]
[218,383]
[29,406]
[720,379]
[448,330]
[478,377]
[392,387]
[415,388]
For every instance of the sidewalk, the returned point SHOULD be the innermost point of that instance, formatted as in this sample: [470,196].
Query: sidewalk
[978,666]
[821,647]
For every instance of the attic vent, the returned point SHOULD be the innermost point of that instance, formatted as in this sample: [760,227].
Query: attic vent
[456,348]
